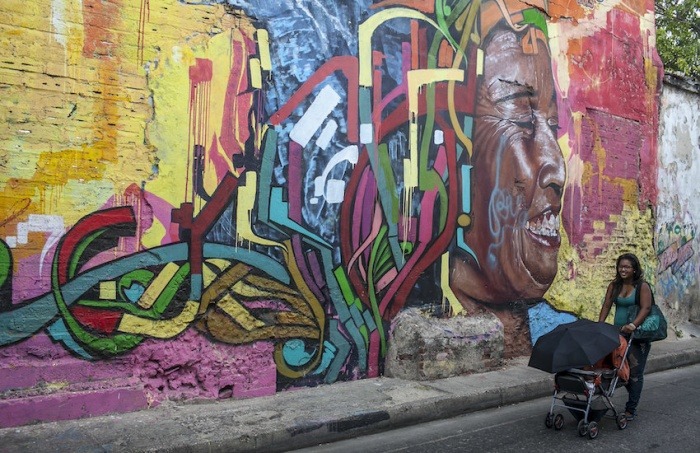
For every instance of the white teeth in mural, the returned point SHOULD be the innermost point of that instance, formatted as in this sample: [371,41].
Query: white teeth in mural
[544,225]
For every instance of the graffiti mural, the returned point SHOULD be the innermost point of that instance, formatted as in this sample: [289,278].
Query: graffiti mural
[306,174]
[676,269]
[675,242]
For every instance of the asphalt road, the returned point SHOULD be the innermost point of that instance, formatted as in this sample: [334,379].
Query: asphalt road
[668,421]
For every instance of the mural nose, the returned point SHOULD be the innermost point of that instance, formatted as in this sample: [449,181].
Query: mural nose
[553,168]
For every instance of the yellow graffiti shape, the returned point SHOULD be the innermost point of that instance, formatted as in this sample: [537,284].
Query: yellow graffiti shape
[164,328]
[221,284]
[239,313]
[255,73]
[150,295]
[367,29]
[264,49]
[455,307]
[108,290]
[244,208]
[254,288]
[416,80]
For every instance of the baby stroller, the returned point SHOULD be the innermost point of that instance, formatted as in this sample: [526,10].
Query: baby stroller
[587,392]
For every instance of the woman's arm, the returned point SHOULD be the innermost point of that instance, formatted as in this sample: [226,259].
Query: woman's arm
[644,304]
[607,304]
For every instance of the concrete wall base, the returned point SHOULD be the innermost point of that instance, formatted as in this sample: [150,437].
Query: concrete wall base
[423,347]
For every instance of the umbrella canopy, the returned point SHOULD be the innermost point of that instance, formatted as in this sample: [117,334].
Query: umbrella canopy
[574,345]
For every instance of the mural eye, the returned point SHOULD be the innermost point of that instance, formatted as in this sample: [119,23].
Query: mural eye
[527,126]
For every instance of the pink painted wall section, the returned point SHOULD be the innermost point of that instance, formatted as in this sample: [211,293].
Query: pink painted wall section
[610,144]
[64,387]
[613,71]
[69,406]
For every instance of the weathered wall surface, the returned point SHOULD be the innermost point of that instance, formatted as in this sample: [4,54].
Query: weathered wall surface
[227,199]
[679,204]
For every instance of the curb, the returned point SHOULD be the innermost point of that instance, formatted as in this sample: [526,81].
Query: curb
[309,416]
[454,405]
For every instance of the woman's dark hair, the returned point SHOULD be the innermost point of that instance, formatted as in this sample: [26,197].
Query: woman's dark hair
[637,273]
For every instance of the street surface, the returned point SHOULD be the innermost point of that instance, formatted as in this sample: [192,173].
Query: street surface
[668,421]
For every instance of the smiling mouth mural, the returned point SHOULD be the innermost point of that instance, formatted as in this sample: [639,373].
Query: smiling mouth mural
[545,227]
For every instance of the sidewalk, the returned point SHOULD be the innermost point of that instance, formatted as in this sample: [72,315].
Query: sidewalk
[306,417]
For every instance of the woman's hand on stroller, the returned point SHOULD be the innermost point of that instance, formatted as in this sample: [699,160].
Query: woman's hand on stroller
[628,328]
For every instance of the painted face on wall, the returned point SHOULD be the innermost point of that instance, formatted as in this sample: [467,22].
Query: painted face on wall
[518,175]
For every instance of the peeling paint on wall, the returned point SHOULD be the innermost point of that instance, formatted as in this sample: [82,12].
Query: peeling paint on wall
[676,241]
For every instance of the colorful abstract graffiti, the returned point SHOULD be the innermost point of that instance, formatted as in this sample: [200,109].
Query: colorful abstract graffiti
[338,164]
[675,243]
[676,269]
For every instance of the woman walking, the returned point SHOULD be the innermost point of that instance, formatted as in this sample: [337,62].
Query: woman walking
[622,291]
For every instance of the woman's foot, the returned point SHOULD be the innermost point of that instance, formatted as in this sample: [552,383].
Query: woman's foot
[629,416]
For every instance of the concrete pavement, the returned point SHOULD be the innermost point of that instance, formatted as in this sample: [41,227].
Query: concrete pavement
[306,417]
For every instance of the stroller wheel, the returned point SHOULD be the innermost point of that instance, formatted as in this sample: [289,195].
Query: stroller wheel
[582,428]
[549,420]
[558,422]
[621,421]
[593,430]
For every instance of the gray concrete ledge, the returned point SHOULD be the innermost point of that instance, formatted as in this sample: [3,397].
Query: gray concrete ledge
[306,417]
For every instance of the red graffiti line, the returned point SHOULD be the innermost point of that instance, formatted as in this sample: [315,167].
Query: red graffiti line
[197,228]
[98,319]
[77,248]
[200,92]
[349,68]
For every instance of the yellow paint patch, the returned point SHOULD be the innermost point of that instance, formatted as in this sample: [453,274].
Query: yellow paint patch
[108,290]
[264,49]
[75,116]
[455,307]
[154,235]
[255,73]
[417,79]
[170,130]
[580,287]
[479,61]
[208,275]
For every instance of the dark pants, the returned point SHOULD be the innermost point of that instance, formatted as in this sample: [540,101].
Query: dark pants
[637,357]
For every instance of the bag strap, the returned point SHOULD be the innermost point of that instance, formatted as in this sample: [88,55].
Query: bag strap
[638,293]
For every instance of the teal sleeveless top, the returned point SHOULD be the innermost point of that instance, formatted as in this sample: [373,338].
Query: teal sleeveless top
[622,305]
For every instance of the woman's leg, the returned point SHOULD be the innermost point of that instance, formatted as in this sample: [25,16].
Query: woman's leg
[639,351]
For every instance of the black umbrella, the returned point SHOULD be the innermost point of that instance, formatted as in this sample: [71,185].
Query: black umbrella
[574,345]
